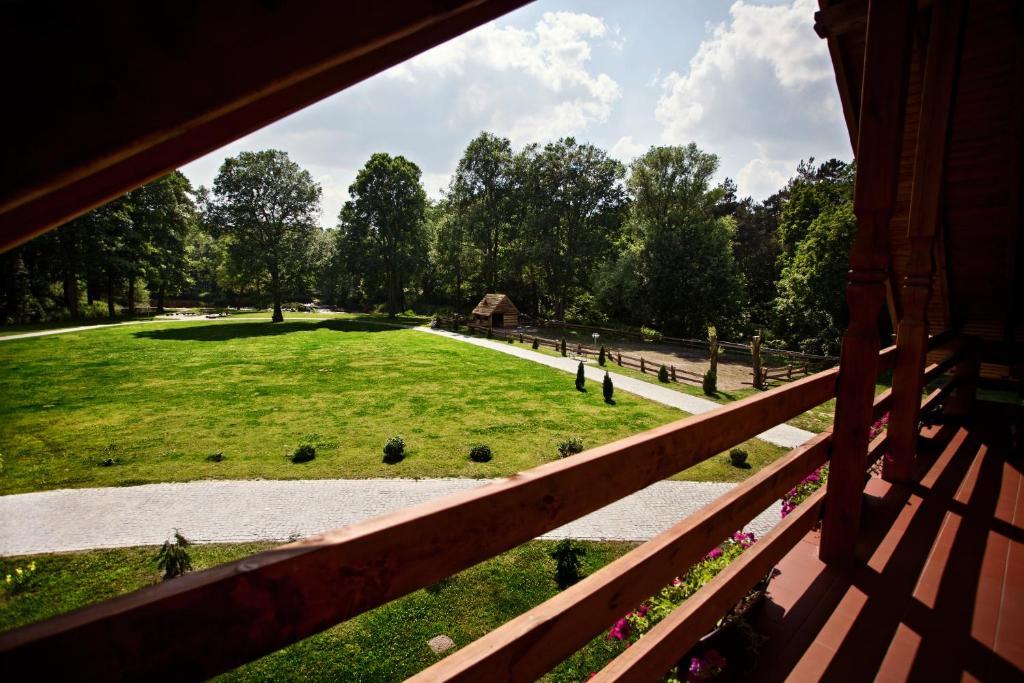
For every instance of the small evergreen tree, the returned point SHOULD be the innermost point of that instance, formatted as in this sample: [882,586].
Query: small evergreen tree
[536,343]
[601,356]
[173,558]
[663,374]
[563,346]
[609,390]
[581,378]
[568,568]
[710,383]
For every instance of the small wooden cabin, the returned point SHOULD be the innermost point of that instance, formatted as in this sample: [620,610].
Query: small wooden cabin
[496,310]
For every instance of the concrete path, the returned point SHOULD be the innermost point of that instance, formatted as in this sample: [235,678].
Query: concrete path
[239,511]
[781,435]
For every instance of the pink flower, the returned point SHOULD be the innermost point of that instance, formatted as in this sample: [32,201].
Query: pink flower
[716,660]
[621,630]
[714,554]
[642,610]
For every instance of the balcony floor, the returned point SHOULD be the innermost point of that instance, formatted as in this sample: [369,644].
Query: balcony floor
[941,595]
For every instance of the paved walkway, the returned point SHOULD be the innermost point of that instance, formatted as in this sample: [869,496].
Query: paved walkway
[781,435]
[239,511]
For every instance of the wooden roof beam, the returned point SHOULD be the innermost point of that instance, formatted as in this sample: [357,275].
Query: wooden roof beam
[103,97]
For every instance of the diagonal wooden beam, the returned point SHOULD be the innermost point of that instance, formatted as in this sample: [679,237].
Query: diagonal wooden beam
[102,97]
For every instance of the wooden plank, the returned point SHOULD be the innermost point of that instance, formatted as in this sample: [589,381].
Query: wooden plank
[938,95]
[532,643]
[100,107]
[262,603]
[659,649]
[883,98]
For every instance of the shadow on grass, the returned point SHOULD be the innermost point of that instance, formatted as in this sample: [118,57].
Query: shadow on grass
[216,331]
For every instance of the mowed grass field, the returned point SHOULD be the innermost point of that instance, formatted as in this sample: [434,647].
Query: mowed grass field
[158,398]
[385,644]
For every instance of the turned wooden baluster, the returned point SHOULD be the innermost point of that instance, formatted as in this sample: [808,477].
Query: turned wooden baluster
[937,95]
[883,100]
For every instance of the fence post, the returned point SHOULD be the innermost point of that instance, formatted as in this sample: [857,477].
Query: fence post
[673,373]
[620,359]
[642,367]
[713,349]
[789,371]
[755,352]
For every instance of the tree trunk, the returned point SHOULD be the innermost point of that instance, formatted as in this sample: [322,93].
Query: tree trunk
[110,294]
[275,287]
[160,299]
[131,295]
[71,292]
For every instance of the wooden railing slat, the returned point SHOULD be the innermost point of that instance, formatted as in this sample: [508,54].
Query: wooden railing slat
[531,644]
[659,649]
[264,602]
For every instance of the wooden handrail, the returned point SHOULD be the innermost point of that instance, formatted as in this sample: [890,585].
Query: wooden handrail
[534,642]
[264,602]
[936,369]
[660,648]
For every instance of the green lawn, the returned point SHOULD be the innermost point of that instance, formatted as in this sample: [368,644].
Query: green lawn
[159,398]
[386,644]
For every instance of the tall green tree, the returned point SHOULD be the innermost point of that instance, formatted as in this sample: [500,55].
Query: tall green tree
[385,220]
[268,205]
[690,272]
[162,213]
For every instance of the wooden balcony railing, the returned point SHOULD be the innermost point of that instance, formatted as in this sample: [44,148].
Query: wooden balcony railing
[257,605]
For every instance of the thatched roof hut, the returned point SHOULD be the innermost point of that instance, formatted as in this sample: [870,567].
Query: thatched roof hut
[496,310]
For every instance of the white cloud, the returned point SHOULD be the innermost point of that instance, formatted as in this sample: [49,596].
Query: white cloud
[759,92]
[625,149]
[527,84]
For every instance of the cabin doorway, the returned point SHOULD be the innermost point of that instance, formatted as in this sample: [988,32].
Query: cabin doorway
[497,320]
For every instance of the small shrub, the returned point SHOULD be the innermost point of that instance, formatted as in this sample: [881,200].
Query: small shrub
[536,343]
[304,453]
[710,383]
[21,579]
[435,321]
[480,453]
[173,558]
[601,356]
[581,378]
[108,462]
[568,568]
[608,388]
[649,334]
[663,374]
[563,346]
[570,446]
[490,333]
[738,457]
[509,339]
[394,449]
[215,457]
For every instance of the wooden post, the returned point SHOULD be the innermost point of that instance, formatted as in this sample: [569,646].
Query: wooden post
[643,368]
[882,104]
[620,359]
[713,349]
[673,369]
[923,224]
[960,402]
[755,353]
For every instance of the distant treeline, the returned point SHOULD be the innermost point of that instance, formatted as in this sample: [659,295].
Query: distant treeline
[564,229]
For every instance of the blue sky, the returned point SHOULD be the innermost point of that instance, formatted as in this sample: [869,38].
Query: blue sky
[748,81]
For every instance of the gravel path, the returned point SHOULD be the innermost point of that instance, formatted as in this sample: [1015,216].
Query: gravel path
[239,511]
[780,435]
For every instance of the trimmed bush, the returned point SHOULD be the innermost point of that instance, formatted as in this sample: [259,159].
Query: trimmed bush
[563,346]
[510,339]
[304,453]
[710,383]
[173,559]
[570,446]
[601,356]
[215,457]
[568,568]
[663,374]
[394,449]
[608,388]
[480,453]
[581,378]
[536,343]
[738,457]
